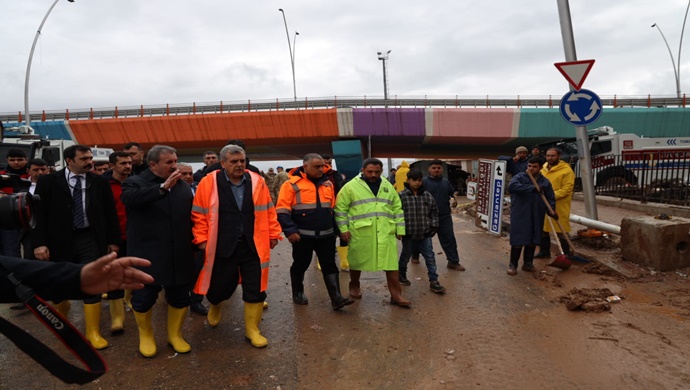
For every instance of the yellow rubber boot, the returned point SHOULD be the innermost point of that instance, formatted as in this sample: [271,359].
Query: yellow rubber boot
[128,298]
[117,315]
[147,344]
[342,254]
[213,315]
[175,319]
[252,319]
[92,320]
[62,308]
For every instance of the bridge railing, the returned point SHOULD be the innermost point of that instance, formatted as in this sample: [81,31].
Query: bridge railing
[334,102]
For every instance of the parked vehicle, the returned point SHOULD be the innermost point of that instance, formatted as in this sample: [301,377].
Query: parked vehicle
[629,159]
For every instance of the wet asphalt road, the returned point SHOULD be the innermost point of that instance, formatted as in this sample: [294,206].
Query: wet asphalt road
[489,330]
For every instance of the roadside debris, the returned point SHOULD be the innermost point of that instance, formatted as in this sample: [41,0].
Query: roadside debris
[588,299]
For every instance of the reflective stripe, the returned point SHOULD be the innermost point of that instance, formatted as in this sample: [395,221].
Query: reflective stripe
[400,224]
[199,209]
[371,200]
[341,214]
[304,206]
[313,232]
[326,204]
[265,264]
[342,223]
[283,211]
[371,215]
[262,207]
[400,215]
[298,196]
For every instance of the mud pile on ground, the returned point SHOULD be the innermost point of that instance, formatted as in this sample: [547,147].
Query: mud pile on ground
[588,299]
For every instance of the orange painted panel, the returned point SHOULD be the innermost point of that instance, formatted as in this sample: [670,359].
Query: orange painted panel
[208,129]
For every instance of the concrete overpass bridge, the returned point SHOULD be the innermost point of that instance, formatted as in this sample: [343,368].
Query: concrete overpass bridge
[417,127]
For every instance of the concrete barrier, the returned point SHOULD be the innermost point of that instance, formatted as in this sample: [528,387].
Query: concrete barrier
[660,244]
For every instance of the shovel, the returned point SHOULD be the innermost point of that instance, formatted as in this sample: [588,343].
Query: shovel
[548,207]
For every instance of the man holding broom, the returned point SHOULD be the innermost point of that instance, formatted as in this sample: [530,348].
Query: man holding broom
[562,180]
[527,211]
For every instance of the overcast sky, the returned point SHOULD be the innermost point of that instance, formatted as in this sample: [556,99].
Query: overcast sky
[103,53]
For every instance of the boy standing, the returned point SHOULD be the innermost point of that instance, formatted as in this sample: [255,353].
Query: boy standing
[421,223]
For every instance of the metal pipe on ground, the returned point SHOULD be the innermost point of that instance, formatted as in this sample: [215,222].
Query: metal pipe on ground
[592,223]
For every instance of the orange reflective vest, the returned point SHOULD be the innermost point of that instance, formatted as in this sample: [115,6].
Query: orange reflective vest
[205,217]
[306,207]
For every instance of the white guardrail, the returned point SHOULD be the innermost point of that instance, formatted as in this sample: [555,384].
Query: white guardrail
[335,102]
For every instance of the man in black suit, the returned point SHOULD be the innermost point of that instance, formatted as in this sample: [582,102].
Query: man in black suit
[159,228]
[77,223]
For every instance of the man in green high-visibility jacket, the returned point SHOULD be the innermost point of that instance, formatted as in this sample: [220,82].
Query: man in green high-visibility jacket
[369,215]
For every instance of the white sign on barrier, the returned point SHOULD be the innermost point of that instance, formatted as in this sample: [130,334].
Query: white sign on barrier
[496,205]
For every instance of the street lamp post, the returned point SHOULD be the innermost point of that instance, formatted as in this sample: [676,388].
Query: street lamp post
[676,67]
[291,47]
[384,57]
[28,65]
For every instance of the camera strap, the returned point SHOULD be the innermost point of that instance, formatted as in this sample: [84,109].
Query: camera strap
[65,332]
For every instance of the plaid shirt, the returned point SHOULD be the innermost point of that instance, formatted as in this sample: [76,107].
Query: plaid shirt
[421,213]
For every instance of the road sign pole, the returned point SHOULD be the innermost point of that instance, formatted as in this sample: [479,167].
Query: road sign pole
[580,131]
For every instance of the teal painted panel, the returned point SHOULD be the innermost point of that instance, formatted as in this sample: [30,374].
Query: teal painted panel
[648,122]
[543,123]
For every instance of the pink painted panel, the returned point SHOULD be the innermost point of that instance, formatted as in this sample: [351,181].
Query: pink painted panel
[475,122]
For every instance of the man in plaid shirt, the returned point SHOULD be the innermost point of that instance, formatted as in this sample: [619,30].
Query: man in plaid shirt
[421,223]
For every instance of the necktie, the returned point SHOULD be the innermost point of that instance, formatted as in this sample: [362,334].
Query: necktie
[77,206]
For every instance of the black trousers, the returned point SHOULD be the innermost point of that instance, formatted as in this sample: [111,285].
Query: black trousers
[119,294]
[176,296]
[198,265]
[303,250]
[226,276]
[85,250]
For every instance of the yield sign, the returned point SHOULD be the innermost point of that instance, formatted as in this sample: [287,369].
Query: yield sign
[575,71]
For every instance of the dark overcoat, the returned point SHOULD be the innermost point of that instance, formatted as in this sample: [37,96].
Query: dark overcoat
[527,209]
[159,227]
[54,216]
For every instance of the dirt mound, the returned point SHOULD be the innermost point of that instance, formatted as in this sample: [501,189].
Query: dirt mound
[588,299]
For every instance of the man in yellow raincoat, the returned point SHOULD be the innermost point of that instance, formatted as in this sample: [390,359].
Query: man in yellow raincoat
[562,180]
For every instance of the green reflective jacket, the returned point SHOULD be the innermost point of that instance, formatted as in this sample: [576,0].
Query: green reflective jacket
[373,221]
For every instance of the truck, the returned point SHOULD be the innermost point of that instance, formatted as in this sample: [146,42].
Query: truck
[50,150]
[629,160]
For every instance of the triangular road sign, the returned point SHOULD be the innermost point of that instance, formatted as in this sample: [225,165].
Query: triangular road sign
[575,71]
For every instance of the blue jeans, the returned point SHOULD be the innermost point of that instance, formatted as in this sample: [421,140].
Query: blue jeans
[424,247]
[446,236]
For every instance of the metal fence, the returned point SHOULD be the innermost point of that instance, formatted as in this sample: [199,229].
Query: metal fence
[658,176]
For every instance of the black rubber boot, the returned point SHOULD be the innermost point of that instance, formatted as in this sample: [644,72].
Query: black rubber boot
[544,248]
[338,301]
[297,282]
[528,258]
[515,252]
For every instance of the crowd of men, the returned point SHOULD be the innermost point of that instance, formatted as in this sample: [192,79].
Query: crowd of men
[206,231]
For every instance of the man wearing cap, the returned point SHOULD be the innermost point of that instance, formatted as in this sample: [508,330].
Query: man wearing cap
[281,177]
[536,152]
[517,164]
[270,178]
